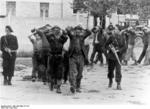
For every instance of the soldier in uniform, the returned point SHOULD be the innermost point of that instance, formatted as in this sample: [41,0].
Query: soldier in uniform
[115,43]
[56,41]
[77,56]
[9,45]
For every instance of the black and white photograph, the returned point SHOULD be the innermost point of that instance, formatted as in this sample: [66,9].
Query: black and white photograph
[74,52]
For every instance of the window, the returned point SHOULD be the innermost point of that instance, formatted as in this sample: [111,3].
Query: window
[44,9]
[11,8]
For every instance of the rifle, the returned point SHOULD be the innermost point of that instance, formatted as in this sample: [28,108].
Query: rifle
[6,43]
[115,53]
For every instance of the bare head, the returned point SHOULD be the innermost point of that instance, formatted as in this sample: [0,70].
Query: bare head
[37,36]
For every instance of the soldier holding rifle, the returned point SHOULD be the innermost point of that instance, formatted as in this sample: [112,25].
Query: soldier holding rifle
[115,46]
[9,45]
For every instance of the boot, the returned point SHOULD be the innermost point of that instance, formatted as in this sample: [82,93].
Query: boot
[119,86]
[78,88]
[125,62]
[110,83]
[9,80]
[5,81]
[72,89]
[135,62]
[58,90]
[52,85]
[59,82]
[33,79]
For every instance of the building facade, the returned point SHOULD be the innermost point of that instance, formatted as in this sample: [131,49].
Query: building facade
[36,8]
[24,15]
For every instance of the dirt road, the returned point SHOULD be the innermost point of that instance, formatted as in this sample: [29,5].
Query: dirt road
[135,84]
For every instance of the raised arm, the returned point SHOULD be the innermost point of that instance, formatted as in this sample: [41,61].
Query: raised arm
[64,37]
[70,32]
[87,33]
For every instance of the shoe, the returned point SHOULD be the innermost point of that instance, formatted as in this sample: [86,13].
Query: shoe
[9,83]
[5,82]
[110,83]
[101,64]
[72,89]
[125,63]
[78,90]
[135,63]
[58,90]
[44,83]
[119,87]
[33,79]
[52,86]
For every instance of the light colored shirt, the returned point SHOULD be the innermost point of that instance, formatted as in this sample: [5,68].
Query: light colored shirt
[37,44]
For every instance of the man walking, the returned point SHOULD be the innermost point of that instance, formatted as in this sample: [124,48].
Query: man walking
[98,43]
[77,56]
[115,46]
[56,41]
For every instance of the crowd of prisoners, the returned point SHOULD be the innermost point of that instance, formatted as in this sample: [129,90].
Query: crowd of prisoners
[59,55]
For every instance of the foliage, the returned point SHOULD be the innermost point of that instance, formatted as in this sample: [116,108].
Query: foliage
[96,7]
[144,9]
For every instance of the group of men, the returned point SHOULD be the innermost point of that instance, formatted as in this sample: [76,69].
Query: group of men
[59,63]
[116,45]
[53,62]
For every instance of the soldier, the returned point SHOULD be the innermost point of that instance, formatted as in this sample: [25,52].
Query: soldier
[115,43]
[77,56]
[56,41]
[9,45]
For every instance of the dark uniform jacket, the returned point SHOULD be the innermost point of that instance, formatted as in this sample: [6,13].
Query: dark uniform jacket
[9,41]
[74,38]
[118,42]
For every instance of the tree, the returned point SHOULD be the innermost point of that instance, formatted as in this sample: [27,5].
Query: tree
[97,8]
[144,9]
